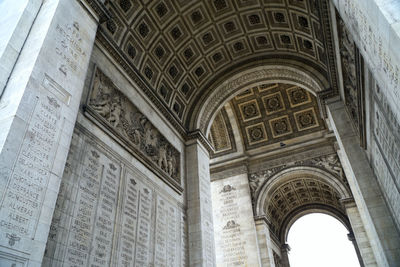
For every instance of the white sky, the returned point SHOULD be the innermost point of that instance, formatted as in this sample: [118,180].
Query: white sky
[319,240]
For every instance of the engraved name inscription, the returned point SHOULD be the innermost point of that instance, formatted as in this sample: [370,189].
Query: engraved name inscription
[108,215]
[69,47]
[23,195]
[232,243]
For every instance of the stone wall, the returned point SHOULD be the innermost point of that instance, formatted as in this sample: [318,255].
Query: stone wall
[38,106]
[234,228]
[109,213]
[118,204]
[385,151]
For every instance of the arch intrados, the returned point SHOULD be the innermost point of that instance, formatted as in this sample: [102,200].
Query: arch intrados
[310,209]
[293,173]
[250,85]
[225,90]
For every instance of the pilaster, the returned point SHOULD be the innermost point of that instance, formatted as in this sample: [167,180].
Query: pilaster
[234,229]
[264,242]
[199,212]
[359,235]
[375,215]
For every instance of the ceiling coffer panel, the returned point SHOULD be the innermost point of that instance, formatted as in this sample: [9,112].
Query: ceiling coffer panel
[177,48]
[275,113]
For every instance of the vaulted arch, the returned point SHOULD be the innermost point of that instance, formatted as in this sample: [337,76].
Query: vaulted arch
[299,75]
[296,191]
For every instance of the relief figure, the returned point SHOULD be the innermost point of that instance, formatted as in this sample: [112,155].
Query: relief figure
[125,118]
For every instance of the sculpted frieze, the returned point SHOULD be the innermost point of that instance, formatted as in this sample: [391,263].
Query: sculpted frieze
[115,111]
[352,69]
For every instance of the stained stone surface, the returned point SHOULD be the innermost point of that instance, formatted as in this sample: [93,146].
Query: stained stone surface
[115,111]
[234,228]
[385,150]
[38,111]
[200,218]
[374,25]
[108,213]
[379,224]
[99,201]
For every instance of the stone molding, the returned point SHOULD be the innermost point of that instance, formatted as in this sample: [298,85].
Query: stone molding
[198,135]
[270,178]
[229,171]
[116,53]
[99,8]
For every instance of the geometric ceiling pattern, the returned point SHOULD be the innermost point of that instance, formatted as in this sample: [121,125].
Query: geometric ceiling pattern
[178,47]
[297,193]
[272,113]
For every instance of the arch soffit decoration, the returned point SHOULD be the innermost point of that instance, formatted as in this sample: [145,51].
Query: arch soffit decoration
[224,91]
[292,174]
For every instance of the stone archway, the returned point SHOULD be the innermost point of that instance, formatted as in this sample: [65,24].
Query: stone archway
[270,72]
[293,173]
[294,192]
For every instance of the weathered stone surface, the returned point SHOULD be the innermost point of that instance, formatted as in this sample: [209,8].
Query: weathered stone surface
[200,218]
[108,213]
[39,107]
[117,112]
[234,228]
[166,69]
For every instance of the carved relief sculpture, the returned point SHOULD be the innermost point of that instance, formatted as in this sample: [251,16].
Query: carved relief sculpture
[352,68]
[114,110]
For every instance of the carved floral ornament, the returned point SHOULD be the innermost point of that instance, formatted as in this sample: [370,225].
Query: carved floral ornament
[115,111]
[251,78]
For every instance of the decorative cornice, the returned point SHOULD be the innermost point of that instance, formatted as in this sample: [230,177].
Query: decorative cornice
[329,48]
[100,10]
[262,218]
[229,171]
[326,94]
[348,202]
[198,135]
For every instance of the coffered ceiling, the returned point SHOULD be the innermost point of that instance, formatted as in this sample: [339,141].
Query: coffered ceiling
[297,193]
[266,115]
[177,49]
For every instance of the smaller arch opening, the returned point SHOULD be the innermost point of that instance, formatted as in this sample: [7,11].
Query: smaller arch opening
[319,239]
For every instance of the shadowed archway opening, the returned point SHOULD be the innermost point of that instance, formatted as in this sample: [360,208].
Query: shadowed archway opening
[319,239]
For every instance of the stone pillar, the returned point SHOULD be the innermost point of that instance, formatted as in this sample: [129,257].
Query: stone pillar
[285,255]
[16,19]
[199,207]
[234,229]
[374,25]
[38,110]
[353,240]
[359,236]
[375,215]
[264,242]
